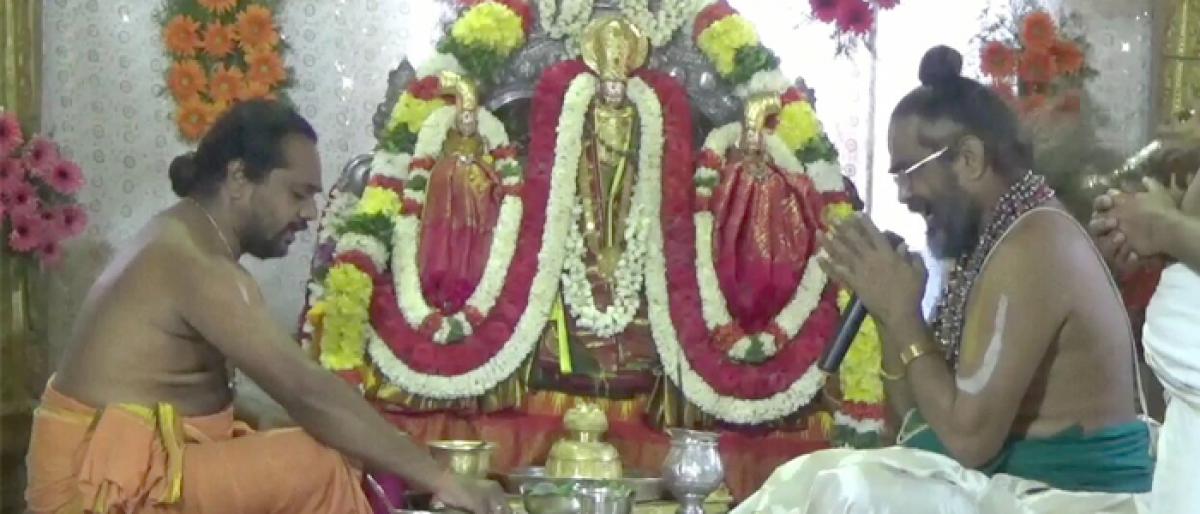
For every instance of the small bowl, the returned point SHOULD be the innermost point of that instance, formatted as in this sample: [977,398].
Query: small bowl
[464,458]
[546,498]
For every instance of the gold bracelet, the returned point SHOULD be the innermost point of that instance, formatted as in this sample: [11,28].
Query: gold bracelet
[913,352]
[893,377]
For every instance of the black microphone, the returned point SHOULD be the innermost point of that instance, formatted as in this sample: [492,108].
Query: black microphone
[852,320]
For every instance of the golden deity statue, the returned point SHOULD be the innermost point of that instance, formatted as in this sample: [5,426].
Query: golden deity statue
[617,360]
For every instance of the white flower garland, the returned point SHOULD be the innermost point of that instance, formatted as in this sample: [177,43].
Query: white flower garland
[861,426]
[628,276]
[373,248]
[694,387]
[438,63]
[542,292]
[390,165]
[716,314]
[766,81]
[660,27]
[405,266]
[565,19]
[339,209]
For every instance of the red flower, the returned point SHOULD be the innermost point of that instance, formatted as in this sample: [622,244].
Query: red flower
[826,10]
[998,60]
[1037,67]
[855,16]
[887,4]
[427,88]
[11,174]
[1067,57]
[22,199]
[26,233]
[10,134]
[710,15]
[49,252]
[66,178]
[42,154]
[72,220]
[793,95]
[710,159]
[1038,32]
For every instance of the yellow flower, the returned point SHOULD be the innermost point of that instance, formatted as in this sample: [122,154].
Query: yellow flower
[411,112]
[490,25]
[859,374]
[346,314]
[377,200]
[836,212]
[316,313]
[798,125]
[721,41]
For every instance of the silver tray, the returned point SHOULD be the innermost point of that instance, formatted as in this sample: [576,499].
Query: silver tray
[645,488]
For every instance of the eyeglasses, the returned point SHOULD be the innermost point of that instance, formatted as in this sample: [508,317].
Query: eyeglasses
[909,170]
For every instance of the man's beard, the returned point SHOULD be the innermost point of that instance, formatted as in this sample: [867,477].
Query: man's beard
[953,228]
[263,246]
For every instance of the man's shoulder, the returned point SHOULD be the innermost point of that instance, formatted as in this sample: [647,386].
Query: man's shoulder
[1045,246]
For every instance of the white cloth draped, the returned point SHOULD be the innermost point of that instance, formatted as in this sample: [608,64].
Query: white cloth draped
[1171,337]
[900,480]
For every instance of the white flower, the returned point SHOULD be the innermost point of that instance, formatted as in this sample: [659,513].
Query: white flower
[369,246]
[766,81]
[438,63]
[391,165]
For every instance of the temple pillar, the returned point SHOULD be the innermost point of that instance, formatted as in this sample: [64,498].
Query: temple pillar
[22,334]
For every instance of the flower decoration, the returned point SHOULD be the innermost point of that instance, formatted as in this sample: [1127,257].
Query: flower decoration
[853,19]
[732,44]
[486,34]
[38,186]
[223,52]
[1032,61]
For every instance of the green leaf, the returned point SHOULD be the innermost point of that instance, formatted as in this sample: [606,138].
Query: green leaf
[511,169]
[756,353]
[456,331]
[709,182]
[417,183]
[750,60]
[373,225]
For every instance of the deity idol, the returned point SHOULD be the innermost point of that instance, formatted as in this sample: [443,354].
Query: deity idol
[462,202]
[610,141]
[766,219]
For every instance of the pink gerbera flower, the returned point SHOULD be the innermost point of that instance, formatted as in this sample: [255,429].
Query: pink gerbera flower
[66,177]
[42,155]
[10,134]
[21,199]
[72,219]
[886,4]
[825,10]
[26,233]
[855,16]
[49,252]
[11,173]
[52,225]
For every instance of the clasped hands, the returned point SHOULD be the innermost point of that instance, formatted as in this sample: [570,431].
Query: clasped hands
[1129,227]
[890,282]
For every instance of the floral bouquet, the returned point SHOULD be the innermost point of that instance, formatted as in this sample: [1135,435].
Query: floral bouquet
[1039,65]
[854,19]
[223,52]
[38,210]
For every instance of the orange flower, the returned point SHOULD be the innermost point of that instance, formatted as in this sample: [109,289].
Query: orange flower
[218,40]
[193,118]
[1068,58]
[255,90]
[182,36]
[1039,31]
[1037,67]
[226,84]
[219,6]
[998,60]
[186,79]
[265,68]
[256,28]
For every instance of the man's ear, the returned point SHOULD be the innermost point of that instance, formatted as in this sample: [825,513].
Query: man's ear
[971,164]
[236,180]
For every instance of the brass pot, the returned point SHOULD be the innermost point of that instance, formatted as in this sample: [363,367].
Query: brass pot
[464,458]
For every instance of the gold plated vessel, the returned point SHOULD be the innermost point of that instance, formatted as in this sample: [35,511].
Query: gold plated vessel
[583,453]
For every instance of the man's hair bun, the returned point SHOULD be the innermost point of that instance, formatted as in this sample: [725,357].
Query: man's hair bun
[941,66]
[183,174]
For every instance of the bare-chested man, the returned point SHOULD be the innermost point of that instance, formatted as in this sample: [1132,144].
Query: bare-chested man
[138,417]
[1021,392]
[1160,225]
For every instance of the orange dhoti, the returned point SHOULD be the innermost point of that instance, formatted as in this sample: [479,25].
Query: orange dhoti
[135,459]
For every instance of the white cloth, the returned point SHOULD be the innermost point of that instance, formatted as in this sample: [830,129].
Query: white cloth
[901,480]
[1171,337]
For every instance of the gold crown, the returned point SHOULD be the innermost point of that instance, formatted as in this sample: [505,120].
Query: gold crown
[613,48]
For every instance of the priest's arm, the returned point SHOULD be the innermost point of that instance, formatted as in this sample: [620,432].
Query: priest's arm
[1018,307]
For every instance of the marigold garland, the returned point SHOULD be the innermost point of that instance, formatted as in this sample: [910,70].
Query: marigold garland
[345,314]
[223,52]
